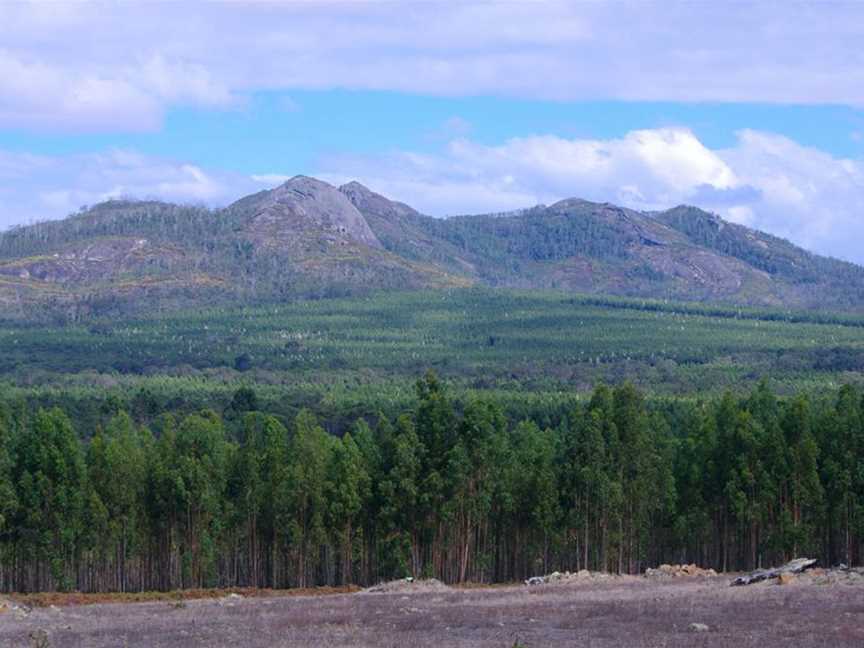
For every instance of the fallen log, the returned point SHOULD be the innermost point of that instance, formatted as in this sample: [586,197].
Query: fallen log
[792,567]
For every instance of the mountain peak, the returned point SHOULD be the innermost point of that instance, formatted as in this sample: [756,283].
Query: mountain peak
[569,203]
[306,204]
[356,187]
[304,181]
[372,203]
[360,194]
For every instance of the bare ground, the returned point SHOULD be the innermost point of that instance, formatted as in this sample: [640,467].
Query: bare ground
[633,612]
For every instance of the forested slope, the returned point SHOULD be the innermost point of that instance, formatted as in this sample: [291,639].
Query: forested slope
[360,351]
[302,239]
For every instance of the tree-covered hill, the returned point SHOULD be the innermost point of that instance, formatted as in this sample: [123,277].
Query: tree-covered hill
[307,238]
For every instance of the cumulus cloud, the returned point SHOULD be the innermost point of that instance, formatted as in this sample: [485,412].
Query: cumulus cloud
[36,94]
[807,195]
[646,169]
[119,66]
[52,97]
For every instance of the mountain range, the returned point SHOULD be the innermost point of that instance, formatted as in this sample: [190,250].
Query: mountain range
[307,238]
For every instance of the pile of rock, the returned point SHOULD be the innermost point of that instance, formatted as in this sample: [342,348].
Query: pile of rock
[805,571]
[839,575]
[679,571]
[583,575]
[407,586]
[230,600]
[8,607]
[797,566]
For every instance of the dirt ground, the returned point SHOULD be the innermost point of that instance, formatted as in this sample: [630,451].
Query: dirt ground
[633,612]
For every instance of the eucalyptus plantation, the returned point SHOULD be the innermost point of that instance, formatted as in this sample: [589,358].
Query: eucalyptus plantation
[450,488]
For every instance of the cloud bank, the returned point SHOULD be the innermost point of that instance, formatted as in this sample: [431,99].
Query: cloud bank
[109,66]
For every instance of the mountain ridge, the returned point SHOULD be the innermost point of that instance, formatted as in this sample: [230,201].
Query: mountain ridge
[308,238]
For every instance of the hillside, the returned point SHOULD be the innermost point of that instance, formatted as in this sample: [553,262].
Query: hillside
[354,350]
[307,238]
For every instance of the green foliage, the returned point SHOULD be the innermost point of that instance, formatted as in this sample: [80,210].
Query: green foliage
[52,482]
[8,496]
[245,400]
[401,493]
[456,491]
[535,235]
[763,251]
[343,359]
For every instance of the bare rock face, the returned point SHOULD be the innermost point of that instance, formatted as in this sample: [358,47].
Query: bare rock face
[368,201]
[97,260]
[304,207]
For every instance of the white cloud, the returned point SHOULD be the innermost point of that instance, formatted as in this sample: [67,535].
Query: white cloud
[119,66]
[179,82]
[807,195]
[34,94]
[647,169]
[51,97]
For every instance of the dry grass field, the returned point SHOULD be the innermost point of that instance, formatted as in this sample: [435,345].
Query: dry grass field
[629,611]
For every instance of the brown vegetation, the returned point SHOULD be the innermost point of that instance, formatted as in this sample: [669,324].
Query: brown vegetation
[47,599]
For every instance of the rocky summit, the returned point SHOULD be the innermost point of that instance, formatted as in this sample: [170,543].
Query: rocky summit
[307,238]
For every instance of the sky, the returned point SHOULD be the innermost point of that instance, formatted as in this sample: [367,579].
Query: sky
[754,111]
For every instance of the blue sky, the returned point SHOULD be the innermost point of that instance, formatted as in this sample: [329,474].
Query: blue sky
[290,132]
[752,110]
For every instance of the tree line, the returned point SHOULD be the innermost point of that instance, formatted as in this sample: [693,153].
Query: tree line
[454,491]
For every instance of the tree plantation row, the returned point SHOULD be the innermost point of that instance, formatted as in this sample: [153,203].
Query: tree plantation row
[451,490]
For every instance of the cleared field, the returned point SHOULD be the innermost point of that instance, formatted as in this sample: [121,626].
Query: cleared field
[627,611]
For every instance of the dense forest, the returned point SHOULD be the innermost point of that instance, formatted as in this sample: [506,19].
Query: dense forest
[459,490]
[367,350]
